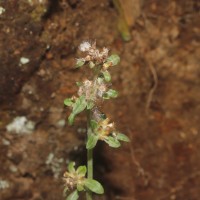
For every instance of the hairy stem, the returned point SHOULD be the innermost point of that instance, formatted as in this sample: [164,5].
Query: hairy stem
[89,156]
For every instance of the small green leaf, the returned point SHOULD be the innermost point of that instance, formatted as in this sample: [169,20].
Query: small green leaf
[91,64]
[90,105]
[71,119]
[93,124]
[71,168]
[103,116]
[100,80]
[106,75]
[80,187]
[94,186]
[65,191]
[73,196]
[92,141]
[110,94]
[79,83]
[79,63]
[81,170]
[79,105]
[114,59]
[68,102]
[112,142]
[122,137]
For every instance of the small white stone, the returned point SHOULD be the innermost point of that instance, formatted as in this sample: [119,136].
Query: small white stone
[13,169]
[6,142]
[30,2]
[75,148]
[49,159]
[21,125]
[81,130]
[2,10]
[24,60]
[61,123]
[4,184]
[41,109]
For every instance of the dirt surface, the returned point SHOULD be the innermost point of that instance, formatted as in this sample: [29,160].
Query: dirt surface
[158,107]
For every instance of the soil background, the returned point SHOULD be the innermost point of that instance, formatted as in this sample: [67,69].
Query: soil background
[158,108]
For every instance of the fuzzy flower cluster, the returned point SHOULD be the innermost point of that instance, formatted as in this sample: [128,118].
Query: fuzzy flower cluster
[93,54]
[72,180]
[92,90]
[105,128]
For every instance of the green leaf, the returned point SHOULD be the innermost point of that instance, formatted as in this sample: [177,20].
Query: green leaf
[79,83]
[100,80]
[81,170]
[68,102]
[92,141]
[94,186]
[79,105]
[71,119]
[79,63]
[65,191]
[73,196]
[110,94]
[106,75]
[114,59]
[91,64]
[90,105]
[93,124]
[71,168]
[80,187]
[122,137]
[112,142]
[103,116]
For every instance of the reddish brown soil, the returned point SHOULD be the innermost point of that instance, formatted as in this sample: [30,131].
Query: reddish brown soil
[158,107]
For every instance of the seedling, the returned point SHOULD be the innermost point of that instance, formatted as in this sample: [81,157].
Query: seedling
[99,128]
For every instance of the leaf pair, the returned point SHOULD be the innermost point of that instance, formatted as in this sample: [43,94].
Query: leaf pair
[91,185]
[114,141]
[83,183]
[81,170]
[78,106]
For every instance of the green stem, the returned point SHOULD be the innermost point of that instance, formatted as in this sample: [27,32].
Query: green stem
[89,157]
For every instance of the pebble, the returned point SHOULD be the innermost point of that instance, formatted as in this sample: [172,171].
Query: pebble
[2,10]
[24,60]
[61,123]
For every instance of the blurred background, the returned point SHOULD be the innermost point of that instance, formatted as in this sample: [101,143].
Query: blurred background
[158,108]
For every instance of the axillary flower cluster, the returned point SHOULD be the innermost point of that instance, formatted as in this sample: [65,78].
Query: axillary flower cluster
[99,128]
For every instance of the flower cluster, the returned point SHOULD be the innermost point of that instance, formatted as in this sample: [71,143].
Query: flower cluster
[105,131]
[75,179]
[72,180]
[105,128]
[92,90]
[93,54]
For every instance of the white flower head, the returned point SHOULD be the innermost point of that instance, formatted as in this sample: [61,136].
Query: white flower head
[85,46]
[87,83]
[105,50]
